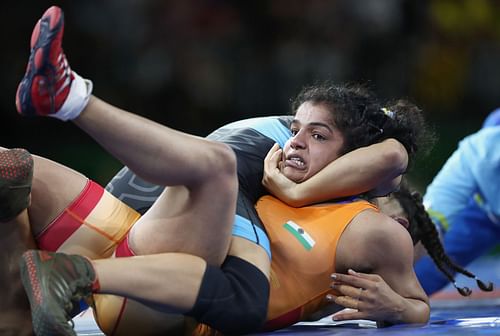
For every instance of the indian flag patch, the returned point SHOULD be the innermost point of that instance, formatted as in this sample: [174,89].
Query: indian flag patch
[302,236]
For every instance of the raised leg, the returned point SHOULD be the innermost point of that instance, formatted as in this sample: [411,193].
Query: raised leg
[202,173]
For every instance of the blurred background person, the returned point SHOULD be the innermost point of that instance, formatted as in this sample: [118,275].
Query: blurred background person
[463,201]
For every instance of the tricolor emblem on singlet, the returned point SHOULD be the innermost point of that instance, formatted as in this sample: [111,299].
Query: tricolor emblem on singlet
[298,232]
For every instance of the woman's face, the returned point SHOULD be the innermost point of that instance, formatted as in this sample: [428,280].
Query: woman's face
[314,144]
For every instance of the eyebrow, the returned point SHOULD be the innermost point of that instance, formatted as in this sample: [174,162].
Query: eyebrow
[314,124]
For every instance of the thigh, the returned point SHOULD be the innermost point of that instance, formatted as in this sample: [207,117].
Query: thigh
[120,316]
[54,187]
[197,222]
[92,224]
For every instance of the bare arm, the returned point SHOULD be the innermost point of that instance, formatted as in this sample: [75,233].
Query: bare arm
[391,293]
[376,168]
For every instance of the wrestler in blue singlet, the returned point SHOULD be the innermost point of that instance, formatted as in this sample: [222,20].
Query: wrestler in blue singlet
[463,200]
[251,140]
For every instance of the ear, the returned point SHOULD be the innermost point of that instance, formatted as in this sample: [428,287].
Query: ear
[403,221]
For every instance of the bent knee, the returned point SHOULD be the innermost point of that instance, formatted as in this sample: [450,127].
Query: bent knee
[217,163]
[221,169]
[224,159]
[395,152]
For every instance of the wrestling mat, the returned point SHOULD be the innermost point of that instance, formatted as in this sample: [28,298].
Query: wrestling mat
[451,313]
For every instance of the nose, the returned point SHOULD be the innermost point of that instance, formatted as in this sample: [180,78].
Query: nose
[298,142]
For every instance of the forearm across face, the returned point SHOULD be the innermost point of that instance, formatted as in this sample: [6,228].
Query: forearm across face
[377,167]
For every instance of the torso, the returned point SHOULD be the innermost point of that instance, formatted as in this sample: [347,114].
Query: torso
[304,246]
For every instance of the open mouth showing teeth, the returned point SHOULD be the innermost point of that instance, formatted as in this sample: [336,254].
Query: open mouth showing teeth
[295,161]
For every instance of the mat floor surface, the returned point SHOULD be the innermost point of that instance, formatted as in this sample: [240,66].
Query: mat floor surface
[451,313]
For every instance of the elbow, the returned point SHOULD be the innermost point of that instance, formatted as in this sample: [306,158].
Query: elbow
[424,315]
[419,316]
[427,316]
[395,153]
[297,200]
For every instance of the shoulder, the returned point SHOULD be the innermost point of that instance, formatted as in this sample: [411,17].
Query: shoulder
[372,239]
[480,149]
[484,138]
[378,232]
[376,222]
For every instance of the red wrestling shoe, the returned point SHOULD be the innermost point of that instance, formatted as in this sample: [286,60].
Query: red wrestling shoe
[16,175]
[53,283]
[46,88]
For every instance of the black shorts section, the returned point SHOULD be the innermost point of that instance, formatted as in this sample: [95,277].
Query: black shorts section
[232,299]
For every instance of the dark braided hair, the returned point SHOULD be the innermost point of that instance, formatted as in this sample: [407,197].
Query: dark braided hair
[363,119]
[423,229]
